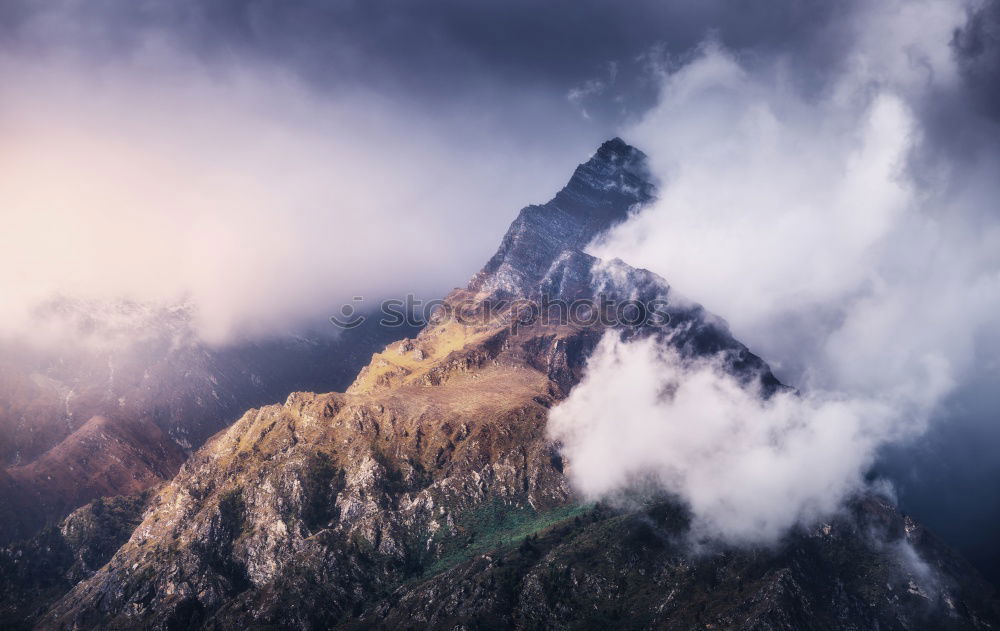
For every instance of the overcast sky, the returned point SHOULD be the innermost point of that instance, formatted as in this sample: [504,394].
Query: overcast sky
[233,150]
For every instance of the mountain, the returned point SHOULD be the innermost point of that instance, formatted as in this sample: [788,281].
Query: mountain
[123,392]
[428,494]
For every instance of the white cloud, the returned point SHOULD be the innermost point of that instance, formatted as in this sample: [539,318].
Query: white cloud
[748,468]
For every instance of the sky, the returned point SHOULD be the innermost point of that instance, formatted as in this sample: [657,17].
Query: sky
[217,152]
[826,172]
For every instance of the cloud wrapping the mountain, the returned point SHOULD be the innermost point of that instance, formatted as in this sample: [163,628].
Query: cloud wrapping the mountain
[844,241]
[748,468]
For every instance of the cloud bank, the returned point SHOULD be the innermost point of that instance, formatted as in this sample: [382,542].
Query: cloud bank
[239,190]
[257,160]
[748,468]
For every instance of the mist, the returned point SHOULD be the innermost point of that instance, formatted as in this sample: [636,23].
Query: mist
[843,241]
[242,191]
[265,163]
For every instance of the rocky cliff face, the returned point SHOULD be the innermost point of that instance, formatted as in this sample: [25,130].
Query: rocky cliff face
[429,496]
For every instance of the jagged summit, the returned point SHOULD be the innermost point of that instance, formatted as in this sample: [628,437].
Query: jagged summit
[616,145]
[614,179]
[599,195]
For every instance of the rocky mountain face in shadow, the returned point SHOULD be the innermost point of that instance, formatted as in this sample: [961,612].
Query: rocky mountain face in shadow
[428,494]
[36,571]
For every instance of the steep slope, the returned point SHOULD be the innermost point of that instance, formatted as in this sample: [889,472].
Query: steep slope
[428,494]
[104,457]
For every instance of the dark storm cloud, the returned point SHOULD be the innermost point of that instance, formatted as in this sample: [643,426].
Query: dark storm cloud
[436,51]
[977,46]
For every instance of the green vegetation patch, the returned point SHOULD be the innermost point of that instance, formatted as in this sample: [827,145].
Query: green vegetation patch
[492,526]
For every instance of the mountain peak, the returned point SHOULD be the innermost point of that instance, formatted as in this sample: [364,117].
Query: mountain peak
[615,146]
[600,194]
[615,179]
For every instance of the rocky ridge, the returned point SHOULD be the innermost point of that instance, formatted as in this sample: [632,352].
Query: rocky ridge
[428,495]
